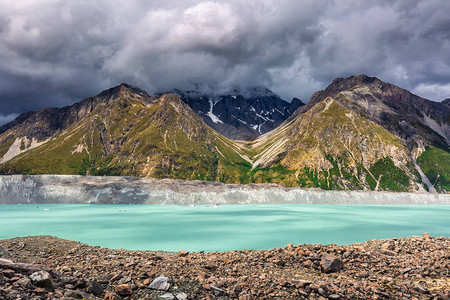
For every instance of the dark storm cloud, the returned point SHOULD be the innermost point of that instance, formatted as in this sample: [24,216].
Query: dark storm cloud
[53,53]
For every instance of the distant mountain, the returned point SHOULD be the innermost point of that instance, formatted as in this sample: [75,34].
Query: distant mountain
[241,115]
[446,102]
[358,133]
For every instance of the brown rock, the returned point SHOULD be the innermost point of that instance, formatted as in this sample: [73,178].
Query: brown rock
[116,277]
[331,263]
[9,273]
[39,291]
[112,296]
[183,253]
[124,289]
[25,283]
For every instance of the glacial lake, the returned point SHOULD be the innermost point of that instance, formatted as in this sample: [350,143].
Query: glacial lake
[229,227]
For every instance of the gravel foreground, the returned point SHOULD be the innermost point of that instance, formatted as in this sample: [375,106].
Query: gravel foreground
[45,267]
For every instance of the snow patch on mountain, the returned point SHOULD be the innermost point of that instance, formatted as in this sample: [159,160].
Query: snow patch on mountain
[210,114]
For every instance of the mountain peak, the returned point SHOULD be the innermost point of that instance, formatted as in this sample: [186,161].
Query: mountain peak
[122,89]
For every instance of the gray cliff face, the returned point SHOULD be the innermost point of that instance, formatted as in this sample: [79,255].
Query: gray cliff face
[40,189]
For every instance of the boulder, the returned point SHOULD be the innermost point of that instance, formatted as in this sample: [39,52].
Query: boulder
[331,263]
[3,252]
[22,267]
[42,279]
[160,283]
[95,287]
[25,283]
[124,290]
[183,253]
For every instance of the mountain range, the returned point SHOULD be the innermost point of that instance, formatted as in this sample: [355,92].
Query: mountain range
[360,133]
[241,115]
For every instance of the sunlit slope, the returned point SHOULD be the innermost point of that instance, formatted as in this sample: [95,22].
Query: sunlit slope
[332,147]
[160,138]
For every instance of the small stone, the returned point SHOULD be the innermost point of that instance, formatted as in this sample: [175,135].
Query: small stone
[405,270]
[181,296]
[39,291]
[160,283]
[25,283]
[167,296]
[426,235]
[65,269]
[331,263]
[123,290]
[147,281]
[217,290]
[42,279]
[183,253]
[116,277]
[421,289]
[3,252]
[72,294]
[112,296]
[303,283]
[308,264]
[9,273]
[387,252]
[387,246]
[363,274]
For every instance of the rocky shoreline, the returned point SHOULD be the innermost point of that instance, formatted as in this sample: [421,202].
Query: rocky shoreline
[45,267]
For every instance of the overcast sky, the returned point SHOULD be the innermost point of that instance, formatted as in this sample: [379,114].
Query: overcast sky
[57,52]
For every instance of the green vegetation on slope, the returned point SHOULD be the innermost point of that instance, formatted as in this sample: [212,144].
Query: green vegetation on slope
[328,147]
[435,163]
[391,178]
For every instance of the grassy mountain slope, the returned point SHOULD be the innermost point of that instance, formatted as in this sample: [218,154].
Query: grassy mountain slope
[331,147]
[160,138]
[359,133]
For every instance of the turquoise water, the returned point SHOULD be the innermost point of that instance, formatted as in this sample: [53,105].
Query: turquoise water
[230,227]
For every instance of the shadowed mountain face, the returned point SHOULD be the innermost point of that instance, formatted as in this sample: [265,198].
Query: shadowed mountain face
[241,115]
[358,133]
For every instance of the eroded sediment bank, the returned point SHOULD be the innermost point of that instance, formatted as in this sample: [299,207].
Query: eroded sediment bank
[22,189]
